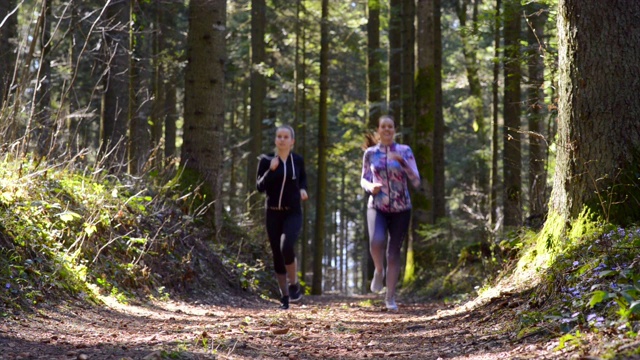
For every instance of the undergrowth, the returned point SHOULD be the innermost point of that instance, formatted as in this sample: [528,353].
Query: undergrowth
[588,284]
[70,232]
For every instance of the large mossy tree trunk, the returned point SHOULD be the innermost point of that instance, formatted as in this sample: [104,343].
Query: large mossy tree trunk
[202,149]
[598,158]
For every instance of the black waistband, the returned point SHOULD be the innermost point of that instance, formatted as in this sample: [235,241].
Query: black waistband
[275,208]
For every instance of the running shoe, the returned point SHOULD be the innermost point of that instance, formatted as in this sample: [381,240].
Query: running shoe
[285,303]
[295,293]
[378,282]
[391,304]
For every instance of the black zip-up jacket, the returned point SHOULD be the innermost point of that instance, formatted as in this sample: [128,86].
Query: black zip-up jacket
[283,184]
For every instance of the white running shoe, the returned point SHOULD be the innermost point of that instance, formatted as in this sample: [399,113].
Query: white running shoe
[378,282]
[391,304]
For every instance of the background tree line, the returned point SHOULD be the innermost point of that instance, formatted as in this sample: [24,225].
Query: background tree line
[163,88]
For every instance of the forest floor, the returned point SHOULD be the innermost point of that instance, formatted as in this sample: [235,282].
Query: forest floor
[321,327]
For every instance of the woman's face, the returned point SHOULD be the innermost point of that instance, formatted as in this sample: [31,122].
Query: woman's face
[386,130]
[284,140]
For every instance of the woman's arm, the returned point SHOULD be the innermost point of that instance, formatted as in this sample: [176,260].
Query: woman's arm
[367,175]
[303,181]
[303,175]
[264,172]
[410,168]
[366,180]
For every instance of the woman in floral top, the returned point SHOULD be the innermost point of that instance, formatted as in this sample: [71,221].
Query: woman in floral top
[386,169]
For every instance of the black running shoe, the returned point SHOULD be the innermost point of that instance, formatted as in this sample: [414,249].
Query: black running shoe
[285,302]
[295,293]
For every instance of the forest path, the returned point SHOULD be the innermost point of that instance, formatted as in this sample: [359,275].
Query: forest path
[321,327]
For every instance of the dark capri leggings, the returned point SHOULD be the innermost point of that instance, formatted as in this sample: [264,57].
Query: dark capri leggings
[283,229]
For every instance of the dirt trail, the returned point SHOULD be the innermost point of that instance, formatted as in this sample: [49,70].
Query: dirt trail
[323,327]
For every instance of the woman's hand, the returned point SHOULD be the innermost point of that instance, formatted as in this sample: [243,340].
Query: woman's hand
[395,156]
[303,194]
[375,188]
[274,163]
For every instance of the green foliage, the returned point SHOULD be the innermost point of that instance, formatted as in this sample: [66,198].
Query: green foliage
[616,198]
[65,233]
[574,340]
[188,181]
[588,281]
[452,259]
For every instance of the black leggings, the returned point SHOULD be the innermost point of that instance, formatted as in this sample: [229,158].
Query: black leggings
[283,229]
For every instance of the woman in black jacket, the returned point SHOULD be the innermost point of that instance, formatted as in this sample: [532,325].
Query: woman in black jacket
[282,176]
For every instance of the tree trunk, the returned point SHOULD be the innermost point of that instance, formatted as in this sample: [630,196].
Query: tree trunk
[598,132]
[304,238]
[323,137]
[408,70]
[408,109]
[469,37]
[537,148]
[438,189]
[422,199]
[258,93]
[159,74]
[375,104]
[495,144]
[202,150]
[8,33]
[115,100]
[171,117]
[374,64]
[45,125]
[395,61]
[144,79]
[512,141]
[169,88]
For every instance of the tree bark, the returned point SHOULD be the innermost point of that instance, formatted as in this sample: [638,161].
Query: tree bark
[395,61]
[115,100]
[438,191]
[304,238]
[422,200]
[45,125]
[145,79]
[469,37]
[258,93]
[374,64]
[323,137]
[495,144]
[8,34]
[512,165]
[408,70]
[598,132]
[169,84]
[537,145]
[204,106]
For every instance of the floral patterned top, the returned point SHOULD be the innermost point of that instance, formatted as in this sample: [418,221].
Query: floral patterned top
[392,174]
